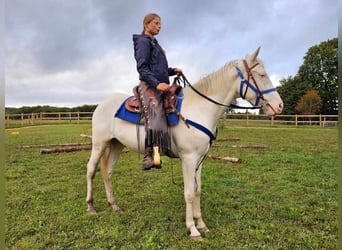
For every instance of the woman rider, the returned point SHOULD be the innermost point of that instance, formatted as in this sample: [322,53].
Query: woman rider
[154,75]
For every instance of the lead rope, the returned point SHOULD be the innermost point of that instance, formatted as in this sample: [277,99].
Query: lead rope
[172,173]
[138,123]
[197,168]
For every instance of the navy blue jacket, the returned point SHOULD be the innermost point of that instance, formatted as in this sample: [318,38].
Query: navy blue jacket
[151,60]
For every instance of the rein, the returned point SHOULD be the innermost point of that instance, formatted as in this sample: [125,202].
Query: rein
[255,88]
[181,78]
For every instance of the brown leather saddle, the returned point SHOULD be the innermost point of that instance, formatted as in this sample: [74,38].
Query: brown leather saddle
[132,104]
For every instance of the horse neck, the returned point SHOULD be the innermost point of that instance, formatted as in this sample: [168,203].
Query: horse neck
[219,86]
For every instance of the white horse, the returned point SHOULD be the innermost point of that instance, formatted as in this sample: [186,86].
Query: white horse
[246,78]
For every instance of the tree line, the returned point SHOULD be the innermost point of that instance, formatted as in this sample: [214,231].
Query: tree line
[49,109]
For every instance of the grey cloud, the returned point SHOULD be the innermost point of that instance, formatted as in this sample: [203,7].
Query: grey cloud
[58,33]
[46,38]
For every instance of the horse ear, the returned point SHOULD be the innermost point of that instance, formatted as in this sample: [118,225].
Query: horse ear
[255,54]
[253,57]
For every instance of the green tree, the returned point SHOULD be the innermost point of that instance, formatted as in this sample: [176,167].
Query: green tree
[319,72]
[291,90]
[47,108]
[320,68]
[85,108]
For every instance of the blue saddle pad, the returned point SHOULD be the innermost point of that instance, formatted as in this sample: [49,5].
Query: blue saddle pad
[172,118]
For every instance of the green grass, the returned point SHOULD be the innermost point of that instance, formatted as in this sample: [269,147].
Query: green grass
[281,197]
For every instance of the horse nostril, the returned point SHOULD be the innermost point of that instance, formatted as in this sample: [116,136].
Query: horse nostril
[281,107]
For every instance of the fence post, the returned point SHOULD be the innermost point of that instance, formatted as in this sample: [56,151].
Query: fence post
[296,120]
[320,120]
[8,120]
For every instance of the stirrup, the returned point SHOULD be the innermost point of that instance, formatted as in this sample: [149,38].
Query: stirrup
[156,157]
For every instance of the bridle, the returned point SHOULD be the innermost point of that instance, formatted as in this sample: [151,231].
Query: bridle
[254,87]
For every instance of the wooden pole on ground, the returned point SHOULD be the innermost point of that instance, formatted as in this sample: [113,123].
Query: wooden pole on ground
[249,146]
[51,145]
[64,149]
[225,158]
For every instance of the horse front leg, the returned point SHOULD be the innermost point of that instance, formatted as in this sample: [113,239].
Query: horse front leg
[197,203]
[191,202]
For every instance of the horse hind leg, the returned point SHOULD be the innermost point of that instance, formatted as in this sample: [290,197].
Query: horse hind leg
[96,152]
[108,161]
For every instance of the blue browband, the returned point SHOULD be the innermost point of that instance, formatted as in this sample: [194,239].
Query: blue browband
[258,93]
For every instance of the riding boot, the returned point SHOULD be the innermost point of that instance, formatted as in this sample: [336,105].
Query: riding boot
[148,162]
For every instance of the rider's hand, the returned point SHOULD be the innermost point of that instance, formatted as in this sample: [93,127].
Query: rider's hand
[164,87]
[178,71]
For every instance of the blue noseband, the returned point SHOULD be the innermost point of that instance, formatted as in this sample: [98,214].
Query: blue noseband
[254,88]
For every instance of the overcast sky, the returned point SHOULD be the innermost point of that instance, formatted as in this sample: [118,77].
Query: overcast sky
[76,52]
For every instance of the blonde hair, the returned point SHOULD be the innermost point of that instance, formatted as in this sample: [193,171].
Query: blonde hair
[149,18]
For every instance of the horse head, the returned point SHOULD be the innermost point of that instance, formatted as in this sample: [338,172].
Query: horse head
[256,86]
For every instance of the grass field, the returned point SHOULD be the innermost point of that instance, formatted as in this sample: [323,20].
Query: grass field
[280,197]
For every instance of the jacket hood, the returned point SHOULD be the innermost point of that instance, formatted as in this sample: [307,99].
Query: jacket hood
[137,37]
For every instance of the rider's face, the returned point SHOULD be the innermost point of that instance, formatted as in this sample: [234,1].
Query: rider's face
[152,28]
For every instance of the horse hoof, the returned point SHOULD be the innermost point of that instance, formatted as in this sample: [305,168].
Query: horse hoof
[197,238]
[91,211]
[116,209]
[204,230]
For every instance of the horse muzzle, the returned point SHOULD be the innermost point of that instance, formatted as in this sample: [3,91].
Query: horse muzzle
[272,108]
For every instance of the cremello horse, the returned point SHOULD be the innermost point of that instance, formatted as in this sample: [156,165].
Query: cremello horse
[246,78]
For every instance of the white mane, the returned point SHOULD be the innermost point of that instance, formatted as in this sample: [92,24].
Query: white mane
[204,85]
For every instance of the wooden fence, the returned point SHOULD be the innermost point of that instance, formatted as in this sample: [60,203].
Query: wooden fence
[15,120]
[293,120]
[19,120]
